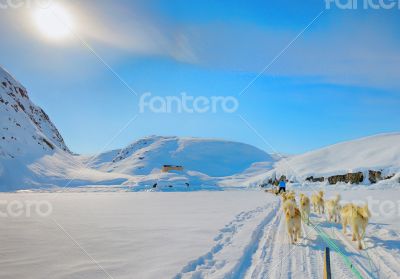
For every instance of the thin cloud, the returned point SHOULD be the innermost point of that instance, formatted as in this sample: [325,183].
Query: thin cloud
[132,30]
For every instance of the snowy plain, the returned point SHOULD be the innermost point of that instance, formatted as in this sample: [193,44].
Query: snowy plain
[205,234]
[131,235]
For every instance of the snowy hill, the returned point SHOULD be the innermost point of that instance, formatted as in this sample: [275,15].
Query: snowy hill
[207,163]
[211,157]
[375,153]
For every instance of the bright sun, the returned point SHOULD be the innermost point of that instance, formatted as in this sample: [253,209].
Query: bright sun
[54,22]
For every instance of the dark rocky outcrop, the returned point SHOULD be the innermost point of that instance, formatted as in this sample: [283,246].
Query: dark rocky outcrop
[353,178]
[315,179]
[374,176]
[336,179]
[48,143]
[389,176]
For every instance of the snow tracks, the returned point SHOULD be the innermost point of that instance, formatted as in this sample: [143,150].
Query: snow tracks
[231,256]
[255,245]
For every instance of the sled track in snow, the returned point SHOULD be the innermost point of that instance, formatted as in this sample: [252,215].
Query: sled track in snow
[245,261]
[210,265]
[263,251]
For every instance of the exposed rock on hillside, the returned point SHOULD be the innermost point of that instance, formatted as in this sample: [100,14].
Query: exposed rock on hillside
[315,179]
[353,178]
[25,126]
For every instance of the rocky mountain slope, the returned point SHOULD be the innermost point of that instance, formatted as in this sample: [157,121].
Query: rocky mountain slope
[23,124]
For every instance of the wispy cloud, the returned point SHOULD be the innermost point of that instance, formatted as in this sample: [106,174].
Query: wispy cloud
[134,29]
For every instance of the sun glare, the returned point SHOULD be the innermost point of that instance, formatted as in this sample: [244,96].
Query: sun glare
[54,22]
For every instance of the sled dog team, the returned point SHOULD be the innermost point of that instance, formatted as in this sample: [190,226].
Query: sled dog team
[350,214]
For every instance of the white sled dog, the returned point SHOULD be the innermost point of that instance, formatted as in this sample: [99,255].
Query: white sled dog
[357,217]
[305,208]
[293,221]
[318,202]
[333,209]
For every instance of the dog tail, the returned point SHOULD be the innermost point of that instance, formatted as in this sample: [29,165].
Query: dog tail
[337,198]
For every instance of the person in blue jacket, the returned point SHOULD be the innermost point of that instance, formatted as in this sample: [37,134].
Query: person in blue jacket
[282,186]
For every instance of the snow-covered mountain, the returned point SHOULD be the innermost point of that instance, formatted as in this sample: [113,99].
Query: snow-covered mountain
[380,153]
[32,151]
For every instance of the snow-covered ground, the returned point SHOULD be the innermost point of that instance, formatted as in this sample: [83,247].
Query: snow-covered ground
[227,234]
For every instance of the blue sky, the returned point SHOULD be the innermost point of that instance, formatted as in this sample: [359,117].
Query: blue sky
[338,81]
